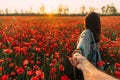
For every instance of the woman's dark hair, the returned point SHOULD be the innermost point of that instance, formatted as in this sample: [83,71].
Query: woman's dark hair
[92,22]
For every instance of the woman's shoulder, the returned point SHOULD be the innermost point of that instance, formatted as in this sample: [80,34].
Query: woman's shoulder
[86,32]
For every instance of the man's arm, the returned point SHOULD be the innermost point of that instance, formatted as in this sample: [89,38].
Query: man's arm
[90,72]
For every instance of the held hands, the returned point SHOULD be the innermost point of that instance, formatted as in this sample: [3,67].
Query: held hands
[77,60]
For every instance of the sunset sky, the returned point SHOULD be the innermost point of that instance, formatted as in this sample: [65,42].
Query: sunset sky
[52,5]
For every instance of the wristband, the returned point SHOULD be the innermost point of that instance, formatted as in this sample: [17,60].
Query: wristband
[77,51]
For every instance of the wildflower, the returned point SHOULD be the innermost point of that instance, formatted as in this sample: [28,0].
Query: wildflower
[7,51]
[29,73]
[4,77]
[33,41]
[51,65]
[54,61]
[26,44]
[100,63]
[20,71]
[117,64]
[12,73]
[25,62]
[31,62]
[10,39]
[35,67]
[16,67]
[61,68]
[53,70]
[37,49]
[38,62]
[117,73]
[11,65]
[1,61]
[1,69]
[35,78]
[56,55]
[40,74]
[52,73]
[64,77]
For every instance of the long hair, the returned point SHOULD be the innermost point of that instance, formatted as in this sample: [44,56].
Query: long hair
[92,22]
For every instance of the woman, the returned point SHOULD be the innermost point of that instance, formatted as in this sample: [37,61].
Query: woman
[88,42]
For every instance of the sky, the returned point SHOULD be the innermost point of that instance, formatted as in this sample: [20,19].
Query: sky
[52,5]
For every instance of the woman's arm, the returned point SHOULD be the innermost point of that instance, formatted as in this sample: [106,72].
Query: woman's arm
[84,42]
[89,71]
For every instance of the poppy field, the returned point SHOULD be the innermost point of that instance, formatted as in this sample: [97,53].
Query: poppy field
[38,48]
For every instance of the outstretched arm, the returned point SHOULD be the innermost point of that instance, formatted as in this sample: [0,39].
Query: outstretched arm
[90,72]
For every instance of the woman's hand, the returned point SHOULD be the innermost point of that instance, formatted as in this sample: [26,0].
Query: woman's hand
[89,70]
[77,60]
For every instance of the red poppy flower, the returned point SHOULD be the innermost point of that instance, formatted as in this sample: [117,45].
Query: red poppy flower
[26,44]
[56,55]
[54,61]
[38,62]
[16,67]
[33,41]
[7,51]
[117,64]
[30,73]
[25,62]
[4,77]
[11,65]
[35,67]
[12,73]
[117,74]
[35,78]
[64,77]
[37,49]
[1,69]
[53,70]
[1,60]
[101,63]
[61,68]
[10,39]
[51,65]
[31,62]
[24,50]
[40,74]
[17,49]
[20,71]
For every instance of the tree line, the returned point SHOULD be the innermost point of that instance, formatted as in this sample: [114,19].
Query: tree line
[109,9]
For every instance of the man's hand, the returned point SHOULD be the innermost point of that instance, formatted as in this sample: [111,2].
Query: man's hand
[78,60]
[90,72]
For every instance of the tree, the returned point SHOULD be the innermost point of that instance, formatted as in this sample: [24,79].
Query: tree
[113,9]
[65,10]
[16,12]
[42,9]
[6,10]
[30,11]
[82,9]
[92,9]
[21,11]
[60,9]
[109,9]
[103,10]
[0,11]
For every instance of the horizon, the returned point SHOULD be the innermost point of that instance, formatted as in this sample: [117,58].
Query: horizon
[51,6]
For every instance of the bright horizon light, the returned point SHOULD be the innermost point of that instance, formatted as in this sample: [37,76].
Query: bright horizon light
[52,5]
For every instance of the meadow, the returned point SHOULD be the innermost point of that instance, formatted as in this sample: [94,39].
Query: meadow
[38,48]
